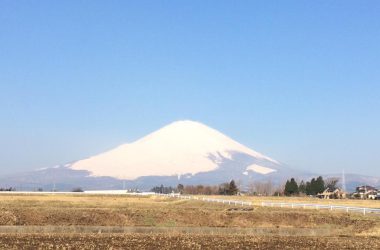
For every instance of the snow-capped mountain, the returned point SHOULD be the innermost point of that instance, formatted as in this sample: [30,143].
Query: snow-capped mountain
[184,152]
[181,148]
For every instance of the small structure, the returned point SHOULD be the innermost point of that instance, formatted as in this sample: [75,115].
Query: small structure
[366,192]
[332,194]
[372,196]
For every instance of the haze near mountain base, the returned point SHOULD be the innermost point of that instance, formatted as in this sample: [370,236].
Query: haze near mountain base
[184,152]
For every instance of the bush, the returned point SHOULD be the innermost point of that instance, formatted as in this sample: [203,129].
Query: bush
[77,190]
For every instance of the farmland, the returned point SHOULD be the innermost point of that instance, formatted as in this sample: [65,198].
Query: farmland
[91,221]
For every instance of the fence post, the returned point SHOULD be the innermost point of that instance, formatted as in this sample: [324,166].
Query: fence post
[364,211]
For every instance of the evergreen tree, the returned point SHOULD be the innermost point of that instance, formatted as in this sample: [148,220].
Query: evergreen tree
[319,185]
[162,189]
[291,187]
[302,187]
[232,190]
[310,187]
[315,186]
[287,188]
[294,186]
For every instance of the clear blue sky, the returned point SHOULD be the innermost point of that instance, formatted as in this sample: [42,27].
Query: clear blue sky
[296,80]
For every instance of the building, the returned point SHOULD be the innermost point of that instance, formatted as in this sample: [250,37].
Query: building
[366,192]
[332,194]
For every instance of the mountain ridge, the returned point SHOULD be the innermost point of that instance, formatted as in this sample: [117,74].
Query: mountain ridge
[182,147]
[185,152]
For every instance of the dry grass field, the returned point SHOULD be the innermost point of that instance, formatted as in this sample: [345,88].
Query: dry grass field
[98,222]
[344,202]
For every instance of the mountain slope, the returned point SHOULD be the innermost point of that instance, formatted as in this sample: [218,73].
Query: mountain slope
[184,152]
[183,147]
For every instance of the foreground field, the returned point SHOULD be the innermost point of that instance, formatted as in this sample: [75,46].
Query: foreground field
[143,222]
[184,241]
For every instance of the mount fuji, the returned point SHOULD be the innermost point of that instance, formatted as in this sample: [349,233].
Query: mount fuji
[185,152]
[183,148]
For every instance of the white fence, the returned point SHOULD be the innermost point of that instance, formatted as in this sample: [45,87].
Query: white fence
[229,202]
[363,210]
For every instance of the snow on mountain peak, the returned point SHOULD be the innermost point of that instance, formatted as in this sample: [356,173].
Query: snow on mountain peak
[260,169]
[182,147]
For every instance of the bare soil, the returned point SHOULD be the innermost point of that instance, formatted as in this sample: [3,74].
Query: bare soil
[182,241]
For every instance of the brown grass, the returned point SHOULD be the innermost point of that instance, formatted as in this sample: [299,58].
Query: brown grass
[47,219]
[127,211]
[343,202]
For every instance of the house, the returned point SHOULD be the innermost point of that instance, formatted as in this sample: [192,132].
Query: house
[332,194]
[372,196]
[366,192]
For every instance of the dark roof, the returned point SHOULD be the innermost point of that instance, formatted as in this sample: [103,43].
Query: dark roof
[366,188]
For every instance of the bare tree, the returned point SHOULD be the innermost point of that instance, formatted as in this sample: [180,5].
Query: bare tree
[251,188]
[331,183]
[279,190]
[261,188]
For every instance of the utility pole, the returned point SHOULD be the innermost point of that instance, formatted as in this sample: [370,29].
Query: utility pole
[343,181]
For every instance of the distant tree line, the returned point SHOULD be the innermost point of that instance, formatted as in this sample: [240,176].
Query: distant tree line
[263,188]
[266,188]
[163,190]
[228,188]
[312,187]
[8,189]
